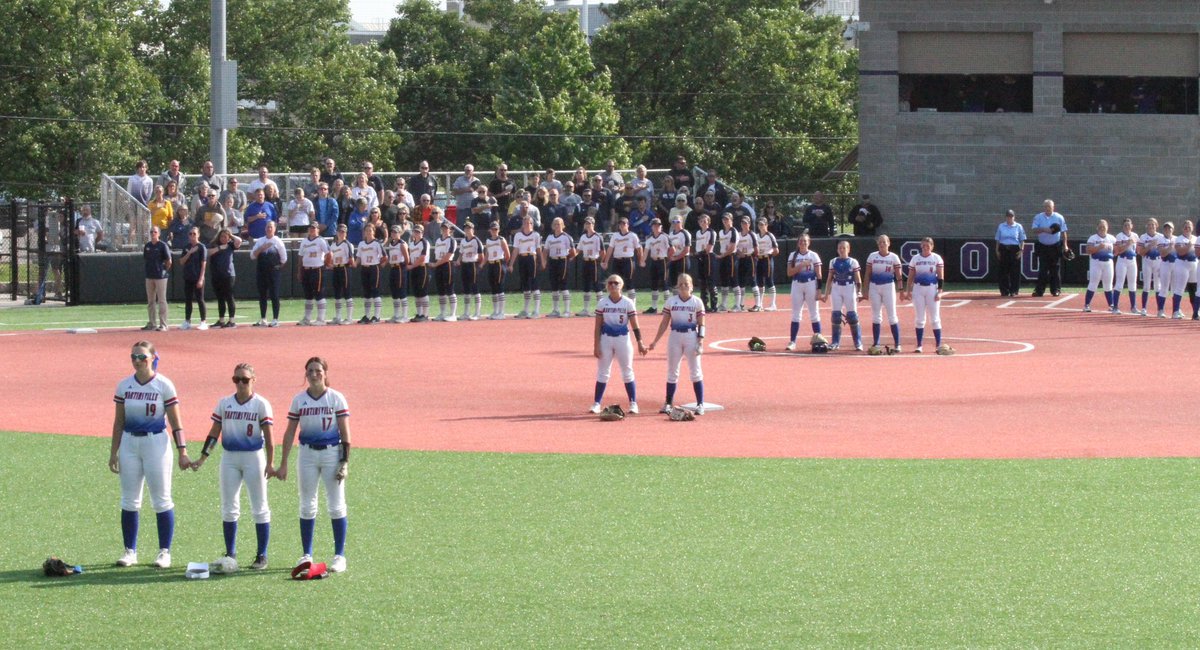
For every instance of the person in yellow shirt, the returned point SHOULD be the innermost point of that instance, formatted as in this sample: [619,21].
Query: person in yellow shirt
[161,210]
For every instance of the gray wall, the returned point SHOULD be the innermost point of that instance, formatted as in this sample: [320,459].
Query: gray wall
[953,174]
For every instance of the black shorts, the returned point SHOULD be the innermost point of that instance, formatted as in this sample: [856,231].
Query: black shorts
[443,279]
[556,271]
[763,276]
[526,271]
[495,274]
[340,279]
[470,278]
[418,281]
[589,276]
[725,272]
[396,282]
[658,274]
[312,279]
[623,266]
[370,280]
[745,272]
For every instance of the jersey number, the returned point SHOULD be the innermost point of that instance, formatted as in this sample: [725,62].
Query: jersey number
[326,423]
[249,430]
[151,409]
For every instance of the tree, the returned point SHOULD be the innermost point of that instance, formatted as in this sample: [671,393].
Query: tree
[766,71]
[69,77]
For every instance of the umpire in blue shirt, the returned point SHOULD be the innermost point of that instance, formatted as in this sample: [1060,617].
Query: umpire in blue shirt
[1051,231]
[1010,238]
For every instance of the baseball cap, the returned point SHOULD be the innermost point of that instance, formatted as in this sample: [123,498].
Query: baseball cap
[314,225]
[589,220]
[655,222]
[395,228]
[310,571]
[1010,213]
[342,227]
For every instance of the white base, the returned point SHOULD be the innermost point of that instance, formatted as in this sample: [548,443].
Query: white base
[81,330]
[709,407]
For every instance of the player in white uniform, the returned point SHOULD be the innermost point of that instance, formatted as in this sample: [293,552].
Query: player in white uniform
[141,450]
[1100,247]
[655,251]
[1183,277]
[498,258]
[727,240]
[396,250]
[315,257]
[845,285]
[1147,248]
[623,253]
[370,261]
[242,421]
[342,252]
[926,273]
[557,251]
[884,272]
[444,252]
[323,418]
[616,314]
[804,268]
[470,258]
[590,249]
[681,249]
[1165,243]
[747,244]
[705,244]
[1126,271]
[526,243]
[684,314]
[418,272]
[766,248]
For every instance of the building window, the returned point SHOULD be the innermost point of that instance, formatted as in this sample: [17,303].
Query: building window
[966,93]
[1143,95]
[966,72]
[1130,73]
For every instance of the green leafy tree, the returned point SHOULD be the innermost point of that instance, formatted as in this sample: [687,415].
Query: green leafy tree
[764,73]
[63,61]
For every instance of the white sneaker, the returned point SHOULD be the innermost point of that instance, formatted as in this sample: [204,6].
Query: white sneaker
[319,323]
[1087,309]
[858,347]
[898,349]
[523,314]
[582,312]
[633,409]
[337,564]
[261,323]
[834,346]
[274,323]
[1177,316]
[700,409]
[472,318]
[791,346]
[535,315]
[1116,311]
[185,325]
[128,558]
[335,321]
[450,319]
[666,409]
[303,559]
[554,314]
[1142,312]
[918,350]
[304,322]
[163,561]
[202,326]
[566,314]
[595,410]
[394,319]
[1162,314]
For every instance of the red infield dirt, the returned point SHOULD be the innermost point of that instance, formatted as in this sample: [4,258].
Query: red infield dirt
[1032,378]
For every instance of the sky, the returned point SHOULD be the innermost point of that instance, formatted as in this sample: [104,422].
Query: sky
[373,10]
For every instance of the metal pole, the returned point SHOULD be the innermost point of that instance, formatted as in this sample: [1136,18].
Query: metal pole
[583,21]
[217,136]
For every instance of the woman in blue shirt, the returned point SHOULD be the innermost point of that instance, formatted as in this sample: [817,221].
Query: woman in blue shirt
[223,275]
[1010,238]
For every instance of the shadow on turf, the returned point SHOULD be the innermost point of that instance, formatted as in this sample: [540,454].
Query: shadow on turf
[109,575]
[532,417]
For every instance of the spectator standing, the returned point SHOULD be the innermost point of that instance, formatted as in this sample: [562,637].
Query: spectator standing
[1051,230]
[200,199]
[140,185]
[711,184]
[374,181]
[502,189]
[483,208]
[641,217]
[262,181]
[818,217]
[623,207]
[740,209]
[549,182]
[313,185]
[356,220]
[171,193]
[777,224]
[424,210]
[664,201]
[300,213]
[171,174]
[403,196]
[642,186]
[271,195]
[554,209]
[603,198]
[330,173]
[209,177]
[210,219]
[388,207]
[866,217]
[346,203]
[181,223]
[258,214]
[161,210]
[580,179]
[682,174]
[194,261]
[1010,237]
[363,190]
[327,211]
[91,234]
[157,259]
[423,183]
[463,190]
[238,195]
[610,175]
[269,256]
[233,216]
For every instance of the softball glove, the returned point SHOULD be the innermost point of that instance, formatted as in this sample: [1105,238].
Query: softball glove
[612,413]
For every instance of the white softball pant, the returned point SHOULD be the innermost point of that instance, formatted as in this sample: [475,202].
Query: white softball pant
[1100,272]
[843,298]
[883,296]
[924,301]
[620,347]
[1165,270]
[1126,274]
[145,460]
[1182,272]
[1152,275]
[319,466]
[238,467]
[680,345]
[804,294]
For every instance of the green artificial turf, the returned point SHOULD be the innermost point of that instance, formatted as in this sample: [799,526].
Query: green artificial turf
[515,551]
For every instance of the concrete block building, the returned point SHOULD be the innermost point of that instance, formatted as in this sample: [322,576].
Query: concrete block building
[972,107]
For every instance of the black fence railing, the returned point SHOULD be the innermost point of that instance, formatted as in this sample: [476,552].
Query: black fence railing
[37,252]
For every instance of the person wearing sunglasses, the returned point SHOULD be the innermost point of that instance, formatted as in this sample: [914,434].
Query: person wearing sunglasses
[140,452]
[323,419]
[242,422]
[616,315]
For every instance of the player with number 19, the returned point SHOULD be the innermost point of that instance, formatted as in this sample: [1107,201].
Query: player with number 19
[926,274]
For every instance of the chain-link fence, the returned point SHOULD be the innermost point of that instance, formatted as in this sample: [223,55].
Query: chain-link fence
[37,251]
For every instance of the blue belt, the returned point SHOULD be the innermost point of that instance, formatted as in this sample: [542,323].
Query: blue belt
[143,434]
[318,447]
[1189,258]
[1099,257]
[1152,255]
[843,284]
[927,283]
[1170,258]
[1128,256]
[879,278]
[613,330]
[884,282]
[799,279]
[684,328]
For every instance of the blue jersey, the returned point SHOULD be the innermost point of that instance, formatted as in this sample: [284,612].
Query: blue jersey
[318,416]
[242,422]
[842,269]
[156,255]
[146,404]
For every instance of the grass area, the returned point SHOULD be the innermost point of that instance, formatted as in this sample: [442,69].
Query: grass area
[134,315]
[492,550]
